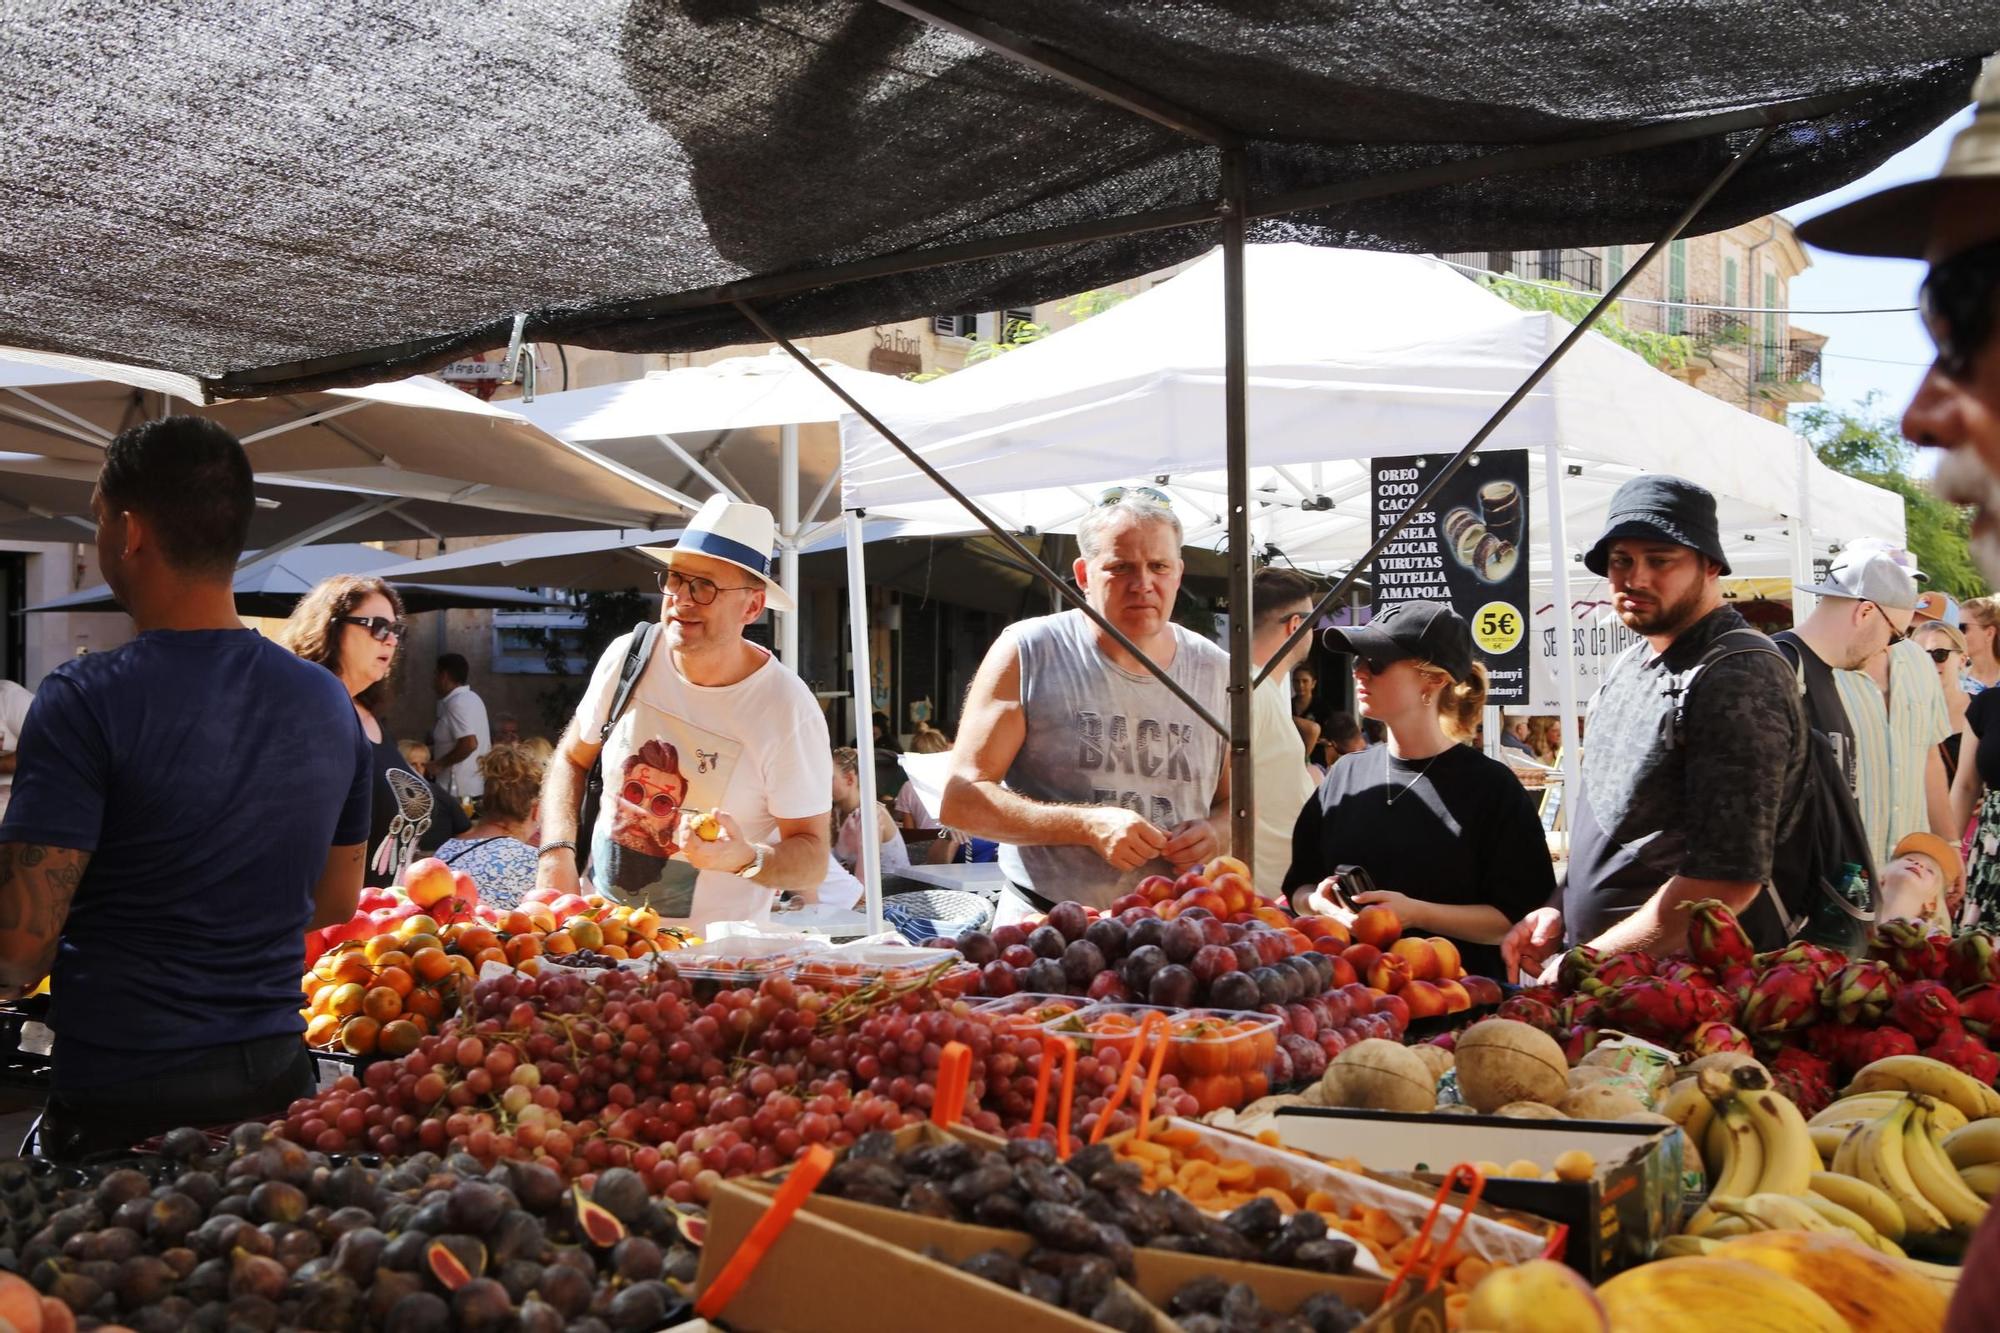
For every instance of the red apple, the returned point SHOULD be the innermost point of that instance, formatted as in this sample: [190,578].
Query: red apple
[1422,958]
[315,946]
[1424,999]
[1377,925]
[1456,998]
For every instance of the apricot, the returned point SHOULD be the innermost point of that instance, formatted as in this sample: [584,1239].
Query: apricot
[462,965]
[1456,998]
[1450,966]
[615,933]
[558,941]
[1421,957]
[1425,1000]
[353,968]
[430,964]
[639,946]
[416,944]
[516,922]
[496,954]
[475,940]
[420,924]
[543,918]
[380,945]
[643,921]
[382,1004]
[614,951]
[394,958]
[587,933]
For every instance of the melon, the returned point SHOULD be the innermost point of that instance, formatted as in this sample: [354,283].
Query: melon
[1501,1061]
[1378,1075]
[1604,1101]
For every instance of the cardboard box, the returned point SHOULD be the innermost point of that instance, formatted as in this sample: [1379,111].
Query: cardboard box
[1157,1274]
[1615,1219]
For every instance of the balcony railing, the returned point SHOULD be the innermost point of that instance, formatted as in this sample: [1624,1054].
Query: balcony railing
[1577,268]
[1789,363]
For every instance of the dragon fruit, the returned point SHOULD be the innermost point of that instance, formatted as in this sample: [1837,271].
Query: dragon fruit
[1650,1007]
[1979,1009]
[1972,960]
[1715,939]
[1784,998]
[1532,1012]
[1866,1047]
[1580,1011]
[1737,983]
[1716,1039]
[1859,993]
[1712,1004]
[1823,961]
[1616,970]
[1831,1041]
[1680,967]
[1912,950]
[1548,995]
[1578,1042]
[1804,1077]
[1577,967]
[1925,1010]
[1963,1051]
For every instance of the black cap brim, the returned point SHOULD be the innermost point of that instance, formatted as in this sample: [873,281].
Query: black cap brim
[1365,641]
[1598,558]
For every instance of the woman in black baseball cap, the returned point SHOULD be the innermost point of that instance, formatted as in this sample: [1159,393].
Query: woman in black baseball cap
[1449,836]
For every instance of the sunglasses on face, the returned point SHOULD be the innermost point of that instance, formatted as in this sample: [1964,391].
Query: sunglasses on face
[1957,301]
[658,804]
[1143,494]
[378,629]
[1940,655]
[1896,636]
[696,589]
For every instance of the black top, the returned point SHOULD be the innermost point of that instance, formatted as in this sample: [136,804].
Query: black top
[1465,831]
[1982,714]
[382,808]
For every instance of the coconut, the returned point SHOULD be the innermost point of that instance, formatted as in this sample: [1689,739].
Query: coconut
[1378,1075]
[1437,1057]
[1501,1061]
[1604,1101]
[1530,1111]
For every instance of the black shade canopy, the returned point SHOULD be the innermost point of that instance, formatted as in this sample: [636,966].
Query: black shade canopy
[310,193]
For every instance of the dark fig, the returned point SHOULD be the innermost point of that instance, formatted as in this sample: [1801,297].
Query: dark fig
[455,1260]
[170,1219]
[121,1187]
[636,1259]
[181,1259]
[481,1306]
[519,1277]
[640,1307]
[474,1207]
[419,1312]
[297,1247]
[598,1224]
[538,1316]
[519,1235]
[388,1288]
[620,1192]
[168,1315]
[333,1302]
[358,1253]
[566,1289]
[257,1275]
[539,1188]
[250,1313]
[183,1144]
[405,1251]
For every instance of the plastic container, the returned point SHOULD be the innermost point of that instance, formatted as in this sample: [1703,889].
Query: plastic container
[852,966]
[1106,1026]
[1223,1057]
[1029,1010]
[743,960]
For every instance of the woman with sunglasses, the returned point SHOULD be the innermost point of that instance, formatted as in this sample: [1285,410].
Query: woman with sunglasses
[352,626]
[1946,648]
[1979,623]
[1449,835]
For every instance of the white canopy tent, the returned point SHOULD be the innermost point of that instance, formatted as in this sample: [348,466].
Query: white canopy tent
[1351,356]
[717,425]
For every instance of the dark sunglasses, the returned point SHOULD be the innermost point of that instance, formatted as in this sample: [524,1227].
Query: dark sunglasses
[1957,301]
[1143,494]
[697,589]
[1940,655]
[378,629]
[1896,636]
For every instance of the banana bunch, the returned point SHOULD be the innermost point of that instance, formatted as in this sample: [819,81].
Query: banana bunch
[1974,1150]
[1902,1155]
[1764,1146]
[1932,1078]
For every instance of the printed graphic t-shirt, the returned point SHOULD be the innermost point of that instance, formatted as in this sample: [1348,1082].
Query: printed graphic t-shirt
[757,749]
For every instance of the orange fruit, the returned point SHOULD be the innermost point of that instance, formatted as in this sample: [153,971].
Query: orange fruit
[558,941]
[424,1003]
[496,954]
[543,918]
[309,983]
[347,999]
[432,964]
[639,946]
[463,965]
[381,944]
[322,1030]
[353,967]
[643,921]
[395,979]
[614,951]
[529,966]
[417,1021]
[398,1038]
[587,933]
[394,958]
[322,999]
[521,947]
[360,1034]
[382,1004]
[412,926]
[475,940]
[516,922]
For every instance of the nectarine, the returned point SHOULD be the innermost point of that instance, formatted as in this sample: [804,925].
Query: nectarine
[1424,999]
[1449,964]
[1456,999]
[1422,958]
[1389,973]
[1377,925]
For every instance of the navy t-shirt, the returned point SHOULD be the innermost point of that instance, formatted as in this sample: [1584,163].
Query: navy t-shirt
[207,772]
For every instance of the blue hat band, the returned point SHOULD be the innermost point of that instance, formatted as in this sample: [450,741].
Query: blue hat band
[722,548]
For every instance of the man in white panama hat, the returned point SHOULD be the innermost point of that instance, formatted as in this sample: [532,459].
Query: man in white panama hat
[687,718]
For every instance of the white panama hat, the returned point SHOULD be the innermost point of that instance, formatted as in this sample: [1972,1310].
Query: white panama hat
[741,534]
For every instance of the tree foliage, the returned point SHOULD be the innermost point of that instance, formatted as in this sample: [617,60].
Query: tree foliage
[1866,442]
[1662,351]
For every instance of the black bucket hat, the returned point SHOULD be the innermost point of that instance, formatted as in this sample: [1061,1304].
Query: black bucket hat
[1414,631]
[1657,507]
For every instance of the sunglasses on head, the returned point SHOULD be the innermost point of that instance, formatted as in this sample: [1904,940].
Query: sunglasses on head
[1148,495]
[379,629]
[1957,301]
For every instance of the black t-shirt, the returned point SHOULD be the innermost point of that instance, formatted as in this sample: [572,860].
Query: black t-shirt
[1982,714]
[1464,831]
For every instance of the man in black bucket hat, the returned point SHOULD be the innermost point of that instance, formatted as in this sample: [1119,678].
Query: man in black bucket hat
[1697,753]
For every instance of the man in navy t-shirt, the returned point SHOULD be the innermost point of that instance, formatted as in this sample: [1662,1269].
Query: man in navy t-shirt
[185,808]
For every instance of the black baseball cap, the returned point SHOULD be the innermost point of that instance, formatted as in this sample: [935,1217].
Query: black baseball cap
[1409,632]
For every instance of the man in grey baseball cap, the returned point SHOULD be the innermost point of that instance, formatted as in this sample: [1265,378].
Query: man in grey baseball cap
[1688,788]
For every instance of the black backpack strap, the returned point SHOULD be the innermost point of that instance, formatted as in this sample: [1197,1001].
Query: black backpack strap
[637,654]
[1729,643]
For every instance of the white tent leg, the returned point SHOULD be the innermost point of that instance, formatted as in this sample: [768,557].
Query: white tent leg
[864,706]
[1565,616]
[1802,556]
[788,545]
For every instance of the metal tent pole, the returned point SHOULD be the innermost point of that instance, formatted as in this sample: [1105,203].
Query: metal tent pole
[870,864]
[1451,469]
[1565,618]
[788,543]
[1236,453]
[1802,538]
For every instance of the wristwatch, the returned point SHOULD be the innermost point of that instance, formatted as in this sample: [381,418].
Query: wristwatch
[759,854]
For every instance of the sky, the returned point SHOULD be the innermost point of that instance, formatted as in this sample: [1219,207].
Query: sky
[1864,353]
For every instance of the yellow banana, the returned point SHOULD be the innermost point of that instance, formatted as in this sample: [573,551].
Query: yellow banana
[1880,1161]
[1861,1106]
[1975,1145]
[1933,1078]
[1844,1219]
[1983,1180]
[1742,1164]
[1858,1196]
[1826,1139]
[1779,1212]
[1789,1156]
[1936,1177]
[1700,1295]
[1942,1276]
[1688,1107]
[1679,1247]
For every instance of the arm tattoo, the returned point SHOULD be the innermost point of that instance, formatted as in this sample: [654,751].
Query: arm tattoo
[37,885]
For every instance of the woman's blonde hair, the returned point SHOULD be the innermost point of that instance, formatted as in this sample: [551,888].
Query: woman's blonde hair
[1981,610]
[313,630]
[410,749]
[1938,629]
[513,774]
[1459,701]
[927,739]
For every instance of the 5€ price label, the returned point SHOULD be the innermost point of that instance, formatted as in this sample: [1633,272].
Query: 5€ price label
[1497,628]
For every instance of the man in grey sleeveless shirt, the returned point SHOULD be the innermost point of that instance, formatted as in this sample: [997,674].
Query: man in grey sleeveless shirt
[1086,770]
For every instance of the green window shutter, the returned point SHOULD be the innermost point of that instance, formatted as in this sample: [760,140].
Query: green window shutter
[1614,265]
[1677,286]
[1729,281]
[1771,326]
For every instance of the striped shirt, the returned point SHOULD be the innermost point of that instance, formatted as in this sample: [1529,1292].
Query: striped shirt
[1893,744]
